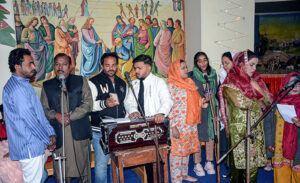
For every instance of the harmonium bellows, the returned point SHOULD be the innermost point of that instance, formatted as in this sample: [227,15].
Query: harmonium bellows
[125,133]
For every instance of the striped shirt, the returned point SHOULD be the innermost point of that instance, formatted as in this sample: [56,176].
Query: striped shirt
[28,130]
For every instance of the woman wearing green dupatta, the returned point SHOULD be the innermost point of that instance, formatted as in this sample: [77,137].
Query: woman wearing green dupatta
[241,90]
[205,129]
[143,43]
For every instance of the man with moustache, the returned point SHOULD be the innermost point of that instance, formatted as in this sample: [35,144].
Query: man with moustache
[153,96]
[78,104]
[104,87]
[29,132]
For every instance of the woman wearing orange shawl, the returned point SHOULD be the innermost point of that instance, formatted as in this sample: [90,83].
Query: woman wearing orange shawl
[184,117]
[286,159]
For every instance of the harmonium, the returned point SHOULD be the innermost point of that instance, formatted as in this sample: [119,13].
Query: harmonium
[125,133]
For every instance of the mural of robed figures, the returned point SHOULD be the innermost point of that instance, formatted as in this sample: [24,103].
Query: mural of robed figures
[63,41]
[47,31]
[85,29]
[163,49]
[127,34]
[91,47]
[143,43]
[73,31]
[34,42]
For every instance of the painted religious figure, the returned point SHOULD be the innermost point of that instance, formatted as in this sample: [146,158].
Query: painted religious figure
[91,46]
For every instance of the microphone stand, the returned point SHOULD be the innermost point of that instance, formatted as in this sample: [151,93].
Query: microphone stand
[61,159]
[213,116]
[155,139]
[249,135]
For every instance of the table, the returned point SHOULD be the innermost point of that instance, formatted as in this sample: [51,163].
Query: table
[138,156]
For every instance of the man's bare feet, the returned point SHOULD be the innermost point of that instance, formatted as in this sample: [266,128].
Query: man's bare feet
[190,179]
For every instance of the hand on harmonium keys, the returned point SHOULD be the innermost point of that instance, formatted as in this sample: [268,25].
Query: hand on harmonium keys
[159,118]
[134,115]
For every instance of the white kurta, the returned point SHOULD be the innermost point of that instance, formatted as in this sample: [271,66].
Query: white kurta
[157,97]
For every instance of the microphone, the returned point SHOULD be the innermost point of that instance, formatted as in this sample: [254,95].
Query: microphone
[291,83]
[63,83]
[127,75]
[206,77]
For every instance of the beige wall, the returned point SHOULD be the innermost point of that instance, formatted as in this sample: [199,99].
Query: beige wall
[202,29]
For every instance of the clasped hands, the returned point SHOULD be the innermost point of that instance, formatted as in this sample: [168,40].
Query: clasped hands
[58,117]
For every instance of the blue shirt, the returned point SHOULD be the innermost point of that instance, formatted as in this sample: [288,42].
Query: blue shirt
[28,130]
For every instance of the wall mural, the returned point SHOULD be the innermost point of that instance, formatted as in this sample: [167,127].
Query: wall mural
[6,31]
[85,29]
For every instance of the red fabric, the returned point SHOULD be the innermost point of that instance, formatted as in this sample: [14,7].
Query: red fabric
[289,141]
[3,134]
[273,82]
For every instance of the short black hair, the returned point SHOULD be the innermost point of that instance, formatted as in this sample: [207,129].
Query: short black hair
[228,55]
[1,108]
[62,55]
[143,58]
[112,54]
[16,57]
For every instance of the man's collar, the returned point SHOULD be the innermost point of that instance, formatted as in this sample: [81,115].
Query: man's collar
[20,78]
[148,77]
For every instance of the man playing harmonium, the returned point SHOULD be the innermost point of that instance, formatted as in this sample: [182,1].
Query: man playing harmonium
[152,93]
[108,92]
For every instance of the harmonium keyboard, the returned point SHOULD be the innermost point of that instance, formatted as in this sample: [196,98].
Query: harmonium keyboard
[125,133]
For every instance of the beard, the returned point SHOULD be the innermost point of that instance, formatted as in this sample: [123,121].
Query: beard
[30,74]
[110,73]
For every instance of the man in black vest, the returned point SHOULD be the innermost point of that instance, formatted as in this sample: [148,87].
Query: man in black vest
[78,104]
[108,91]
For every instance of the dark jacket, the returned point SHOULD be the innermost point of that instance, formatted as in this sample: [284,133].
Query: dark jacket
[105,87]
[81,128]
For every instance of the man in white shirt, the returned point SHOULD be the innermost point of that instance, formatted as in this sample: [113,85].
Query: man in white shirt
[152,93]
[157,100]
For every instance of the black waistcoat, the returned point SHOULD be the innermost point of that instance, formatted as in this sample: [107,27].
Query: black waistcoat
[81,128]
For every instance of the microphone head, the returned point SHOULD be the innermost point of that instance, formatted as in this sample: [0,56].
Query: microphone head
[127,75]
[61,77]
[205,76]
